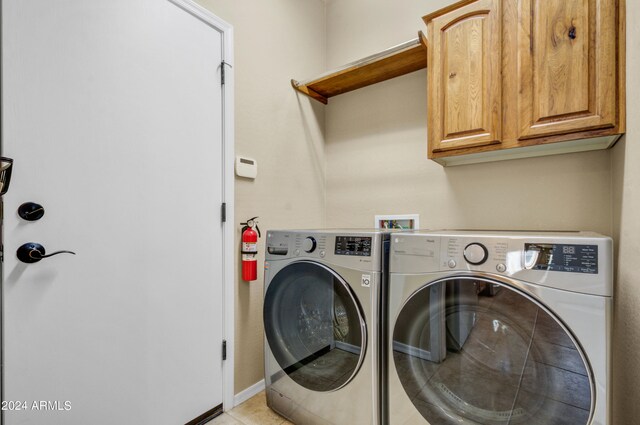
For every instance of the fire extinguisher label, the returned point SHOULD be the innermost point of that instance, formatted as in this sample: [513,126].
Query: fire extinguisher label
[249,247]
[249,257]
[366,280]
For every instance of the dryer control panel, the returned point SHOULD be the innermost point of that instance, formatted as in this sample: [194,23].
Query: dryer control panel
[475,253]
[548,259]
[555,257]
[561,257]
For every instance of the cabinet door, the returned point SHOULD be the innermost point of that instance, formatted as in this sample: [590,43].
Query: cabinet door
[567,66]
[464,70]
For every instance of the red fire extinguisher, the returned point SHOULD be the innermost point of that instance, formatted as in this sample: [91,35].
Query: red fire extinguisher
[250,235]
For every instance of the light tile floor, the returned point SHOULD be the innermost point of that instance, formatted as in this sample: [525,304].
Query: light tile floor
[252,412]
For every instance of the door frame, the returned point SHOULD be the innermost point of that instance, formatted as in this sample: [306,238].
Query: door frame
[228,226]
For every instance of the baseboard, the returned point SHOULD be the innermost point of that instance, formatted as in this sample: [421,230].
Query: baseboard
[247,393]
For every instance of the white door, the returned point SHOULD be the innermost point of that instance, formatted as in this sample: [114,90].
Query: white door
[112,113]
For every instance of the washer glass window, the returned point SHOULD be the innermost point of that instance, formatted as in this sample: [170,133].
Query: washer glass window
[314,326]
[479,351]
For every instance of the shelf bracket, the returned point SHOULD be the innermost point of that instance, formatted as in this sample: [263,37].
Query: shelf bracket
[309,92]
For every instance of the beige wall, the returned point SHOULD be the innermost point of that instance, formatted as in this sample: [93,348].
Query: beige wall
[375,157]
[376,149]
[626,216]
[274,42]
[376,164]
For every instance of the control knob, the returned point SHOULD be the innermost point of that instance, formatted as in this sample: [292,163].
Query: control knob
[309,244]
[475,253]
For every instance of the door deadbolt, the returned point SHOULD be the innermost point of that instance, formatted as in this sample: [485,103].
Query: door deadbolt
[31,211]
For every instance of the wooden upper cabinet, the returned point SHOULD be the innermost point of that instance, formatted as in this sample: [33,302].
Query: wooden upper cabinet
[518,78]
[464,97]
[567,78]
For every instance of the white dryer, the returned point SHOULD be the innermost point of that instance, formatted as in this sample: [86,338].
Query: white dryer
[322,323]
[499,328]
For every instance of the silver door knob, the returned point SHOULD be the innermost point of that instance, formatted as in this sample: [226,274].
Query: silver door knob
[32,252]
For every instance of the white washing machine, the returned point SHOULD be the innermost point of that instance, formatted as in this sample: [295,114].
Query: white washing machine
[321,317]
[499,328]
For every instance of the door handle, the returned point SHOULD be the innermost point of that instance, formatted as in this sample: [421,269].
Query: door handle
[32,252]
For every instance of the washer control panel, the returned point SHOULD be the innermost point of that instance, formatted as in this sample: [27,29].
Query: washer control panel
[358,250]
[353,245]
[309,244]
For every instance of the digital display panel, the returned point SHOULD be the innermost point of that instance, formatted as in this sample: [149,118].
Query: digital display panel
[353,245]
[561,257]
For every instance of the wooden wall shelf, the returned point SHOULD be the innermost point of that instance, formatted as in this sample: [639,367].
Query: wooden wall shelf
[394,62]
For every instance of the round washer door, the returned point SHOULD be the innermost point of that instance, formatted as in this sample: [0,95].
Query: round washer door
[482,352]
[314,326]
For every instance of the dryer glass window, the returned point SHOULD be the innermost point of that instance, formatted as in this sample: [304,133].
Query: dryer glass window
[475,351]
[314,326]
